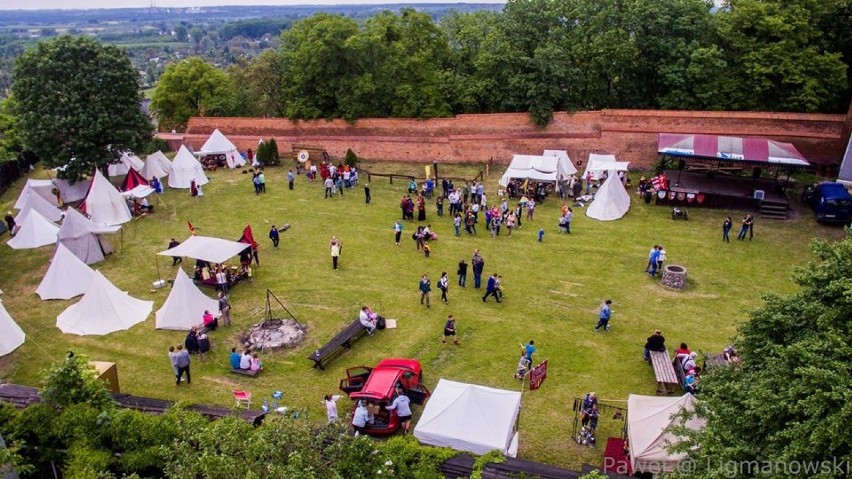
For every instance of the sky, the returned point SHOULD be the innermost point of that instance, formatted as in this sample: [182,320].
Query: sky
[83,4]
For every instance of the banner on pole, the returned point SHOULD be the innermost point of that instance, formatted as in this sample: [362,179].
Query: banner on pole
[428,171]
[538,375]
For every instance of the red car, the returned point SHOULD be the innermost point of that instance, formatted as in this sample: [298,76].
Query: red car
[377,387]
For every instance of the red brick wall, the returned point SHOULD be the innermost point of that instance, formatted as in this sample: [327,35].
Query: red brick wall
[629,134]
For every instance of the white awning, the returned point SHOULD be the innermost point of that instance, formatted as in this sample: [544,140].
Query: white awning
[205,248]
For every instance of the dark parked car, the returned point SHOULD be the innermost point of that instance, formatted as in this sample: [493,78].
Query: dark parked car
[831,202]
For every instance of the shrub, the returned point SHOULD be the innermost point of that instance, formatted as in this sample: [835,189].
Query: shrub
[351,158]
[156,144]
[274,157]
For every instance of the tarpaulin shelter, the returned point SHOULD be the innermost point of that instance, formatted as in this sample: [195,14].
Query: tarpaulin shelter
[11,335]
[132,180]
[104,204]
[538,168]
[205,248]
[35,231]
[472,418]
[103,309]
[85,238]
[729,149]
[185,305]
[648,418]
[66,277]
[185,169]
[127,162]
[219,144]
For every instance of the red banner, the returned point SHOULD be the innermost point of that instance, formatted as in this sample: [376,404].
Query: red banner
[538,375]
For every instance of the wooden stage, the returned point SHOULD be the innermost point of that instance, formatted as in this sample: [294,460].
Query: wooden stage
[694,189]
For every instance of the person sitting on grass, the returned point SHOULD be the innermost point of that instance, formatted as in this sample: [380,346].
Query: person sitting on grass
[245,360]
[254,364]
[235,359]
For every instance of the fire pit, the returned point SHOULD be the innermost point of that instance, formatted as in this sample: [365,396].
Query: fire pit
[274,334]
[674,276]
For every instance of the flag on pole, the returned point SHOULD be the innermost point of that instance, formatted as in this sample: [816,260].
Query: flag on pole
[191,228]
[538,375]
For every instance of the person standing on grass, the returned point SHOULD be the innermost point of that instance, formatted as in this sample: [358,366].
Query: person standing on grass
[444,285]
[603,317]
[726,228]
[402,405]
[425,289]
[746,227]
[261,178]
[450,330]
[457,221]
[655,261]
[529,350]
[330,403]
[274,236]
[224,309]
[367,196]
[462,272]
[478,263]
[335,252]
[569,217]
[650,259]
[182,361]
[530,209]
[491,289]
[172,244]
[328,184]
[661,258]
[173,360]
[291,178]
[397,231]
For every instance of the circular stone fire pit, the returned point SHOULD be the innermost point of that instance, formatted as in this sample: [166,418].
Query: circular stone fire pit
[674,276]
[274,334]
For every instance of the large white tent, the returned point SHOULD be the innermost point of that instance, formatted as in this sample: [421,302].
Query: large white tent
[11,335]
[468,417]
[68,192]
[157,165]
[648,417]
[611,200]
[66,277]
[35,231]
[214,250]
[599,163]
[84,238]
[43,188]
[104,204]
[538,168]
[219,144]
[185,305]
[564,159]
[186,168]
[35,202]
[127,161]
[103,309]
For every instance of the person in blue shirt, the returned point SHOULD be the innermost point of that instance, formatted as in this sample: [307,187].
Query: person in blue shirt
[529,350]
[491,289]
[603,320]
[290,179]
[402,405]
[655,261]
[235,359]
[156,185]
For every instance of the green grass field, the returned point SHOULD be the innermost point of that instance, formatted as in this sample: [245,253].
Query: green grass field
[553,291]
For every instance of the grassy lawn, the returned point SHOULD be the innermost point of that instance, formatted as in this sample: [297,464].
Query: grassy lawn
[553,291]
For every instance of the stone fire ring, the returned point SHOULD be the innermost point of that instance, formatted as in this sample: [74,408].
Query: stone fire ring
[674,276]
[273,335]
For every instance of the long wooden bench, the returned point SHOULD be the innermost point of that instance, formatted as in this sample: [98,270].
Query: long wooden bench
[667,382]
[246,372]
[343,340]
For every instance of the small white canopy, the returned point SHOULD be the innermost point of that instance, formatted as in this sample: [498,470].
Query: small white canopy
[104,203]
[35,202]
[214,250]
[611,200]
[140,191]
[185,305]
[186,168]
[647,420]
[599,163]
[219,144]
[156,165]
[127,161]
[66,277]
[472,418]
[538,168]
[84,238]
[35,231]
[11,335]
[71,192]
[103,309]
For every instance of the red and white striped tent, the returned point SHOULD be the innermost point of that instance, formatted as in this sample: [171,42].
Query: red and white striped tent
[729,148]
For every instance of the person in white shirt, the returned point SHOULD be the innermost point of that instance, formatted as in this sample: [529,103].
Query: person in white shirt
[245,360]
[402,405]
[367,318]
[661,258]
[361,418]
[444,285]
[330,403]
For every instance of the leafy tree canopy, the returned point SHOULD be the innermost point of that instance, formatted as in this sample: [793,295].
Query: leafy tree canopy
[191,87]
[77,103]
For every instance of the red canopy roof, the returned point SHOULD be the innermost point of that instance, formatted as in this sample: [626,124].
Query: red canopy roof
[756,150]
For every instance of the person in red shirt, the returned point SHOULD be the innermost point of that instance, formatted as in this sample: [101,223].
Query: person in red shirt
[209,321]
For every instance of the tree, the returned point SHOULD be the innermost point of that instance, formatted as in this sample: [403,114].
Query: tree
[789,401]
[78,104]
[188,88]
[73,381]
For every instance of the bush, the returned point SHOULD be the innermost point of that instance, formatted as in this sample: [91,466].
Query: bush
[154,145]
[351,158]
[274,157]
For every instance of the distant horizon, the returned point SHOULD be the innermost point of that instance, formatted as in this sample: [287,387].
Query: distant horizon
[11,5]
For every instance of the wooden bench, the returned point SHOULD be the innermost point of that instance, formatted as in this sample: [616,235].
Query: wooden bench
[667,382]
[246,372]
[343,340]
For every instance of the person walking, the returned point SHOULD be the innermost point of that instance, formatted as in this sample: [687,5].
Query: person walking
[329,183]
[335,252]
[661,258]
[367,196]
[274,236]
[172,244]
[655,261]
[491,289]
[425,289]
[529,350]
[182,361]
[462,272]
[457,221]
[291,178]
[726,228]
[173,360]
[605,314]
[397,231]
[450,330]
[650,259]
[224,309]
[569,217]
[444,285]
[478,263]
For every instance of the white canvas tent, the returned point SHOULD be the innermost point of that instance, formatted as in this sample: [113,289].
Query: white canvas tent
[84,238]
[66,277]
[186,168]
[185,305]
[599,163]
[214,250]
[647,420]
[35,231]
[219,144]
[156,165]
[140,191]
[43,188]
[11,335]
[127,161]
[538,168]
[470,418]
[564,159]
[103,309]
[611,200]
[104,204]
[33,201]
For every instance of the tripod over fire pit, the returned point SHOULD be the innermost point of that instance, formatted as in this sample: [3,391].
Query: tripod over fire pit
[276,331]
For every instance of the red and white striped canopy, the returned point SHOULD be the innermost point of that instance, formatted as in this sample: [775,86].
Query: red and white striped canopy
[758,150]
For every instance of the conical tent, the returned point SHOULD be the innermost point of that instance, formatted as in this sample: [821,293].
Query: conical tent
[186,168]
[34,201]
[103,309]
[43,188]
[218,144]
[648,418]
[185,305]
[156,166]
[11,335]
[132,180]
[84,238]
[127,162]
[611,200]
[104,204]
[66,277]
[35,231]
